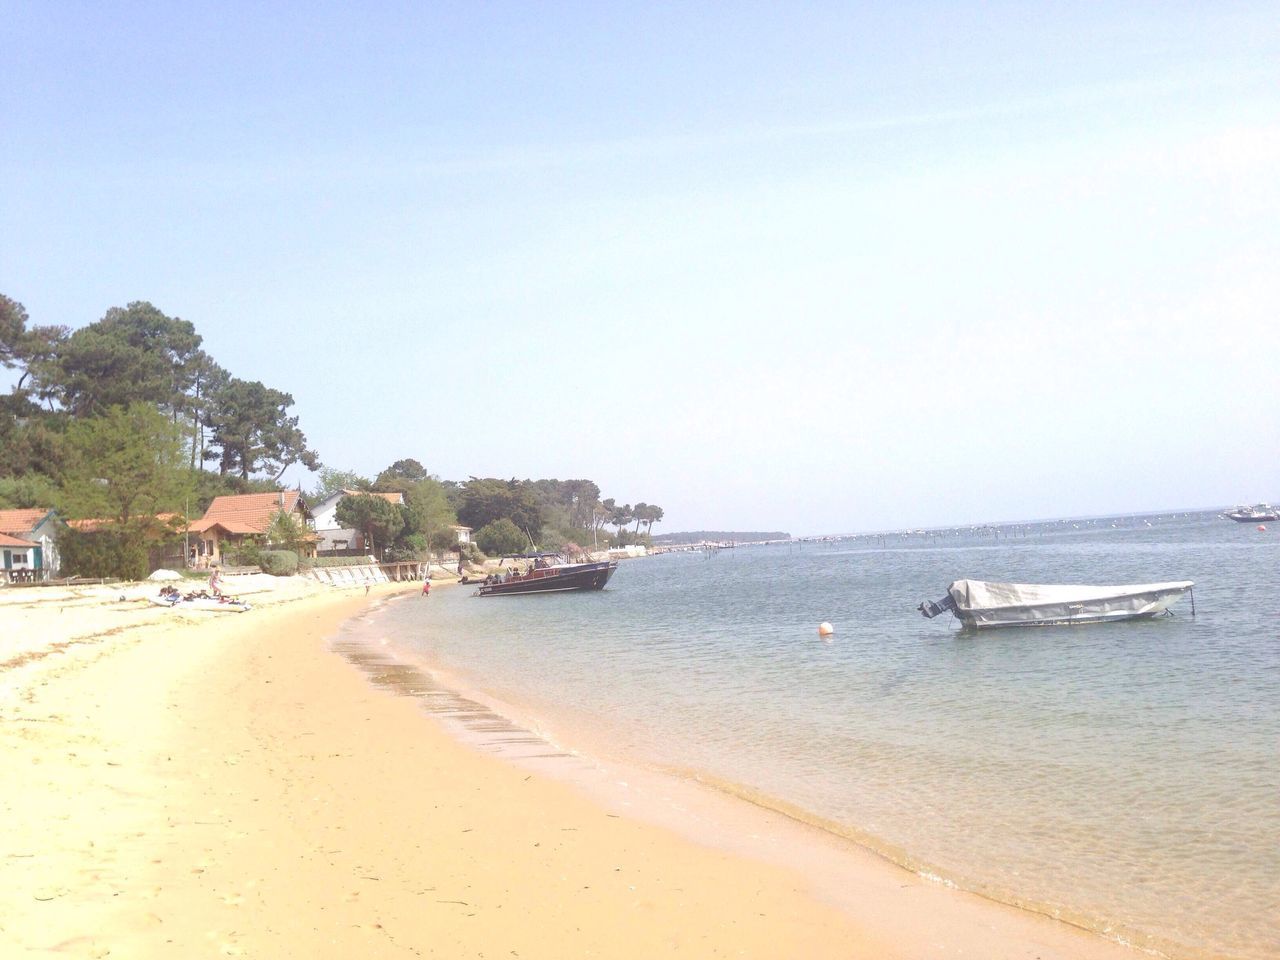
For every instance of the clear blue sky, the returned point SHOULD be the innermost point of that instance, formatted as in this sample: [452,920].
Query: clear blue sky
[823,268]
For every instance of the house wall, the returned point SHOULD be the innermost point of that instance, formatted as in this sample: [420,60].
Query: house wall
[325,513]
[46,535]
[211,541]
[18,558]
[340,540]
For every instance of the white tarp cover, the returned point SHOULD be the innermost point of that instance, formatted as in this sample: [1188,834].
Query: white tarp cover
[982,603]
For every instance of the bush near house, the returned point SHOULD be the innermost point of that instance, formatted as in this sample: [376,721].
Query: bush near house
[246,554]
[103,553]
[356,561]
[278,563]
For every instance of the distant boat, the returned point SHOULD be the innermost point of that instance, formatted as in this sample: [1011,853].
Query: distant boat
[1258,513]
[980,604]
[548,573]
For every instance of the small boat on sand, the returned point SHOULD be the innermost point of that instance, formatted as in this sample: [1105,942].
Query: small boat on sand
[547,573]
[981,604]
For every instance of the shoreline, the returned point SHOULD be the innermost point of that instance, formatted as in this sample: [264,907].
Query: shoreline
[841,868]
[229,786]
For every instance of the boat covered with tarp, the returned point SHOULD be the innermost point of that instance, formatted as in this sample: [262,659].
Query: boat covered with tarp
[980,603]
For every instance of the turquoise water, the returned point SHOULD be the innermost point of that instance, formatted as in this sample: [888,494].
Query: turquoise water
[1125,777]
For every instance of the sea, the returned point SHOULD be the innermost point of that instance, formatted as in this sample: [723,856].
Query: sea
[1123,777]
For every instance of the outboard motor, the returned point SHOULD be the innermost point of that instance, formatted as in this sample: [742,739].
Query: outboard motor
[931,609]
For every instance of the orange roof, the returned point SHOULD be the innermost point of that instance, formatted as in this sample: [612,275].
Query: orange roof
[8,541]
[231,526]
[247,512]
[22,521]
[97,523]
[396,498]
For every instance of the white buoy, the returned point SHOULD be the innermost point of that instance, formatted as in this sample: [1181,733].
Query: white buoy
[825,629]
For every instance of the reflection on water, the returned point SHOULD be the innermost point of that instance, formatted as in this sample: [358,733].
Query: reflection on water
[1123,776]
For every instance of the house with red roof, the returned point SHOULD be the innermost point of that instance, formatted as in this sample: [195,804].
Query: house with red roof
[29,543]
[233,519]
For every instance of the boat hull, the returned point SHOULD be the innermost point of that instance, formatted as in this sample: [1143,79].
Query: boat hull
[980,605]
[578,576]
[1253,513]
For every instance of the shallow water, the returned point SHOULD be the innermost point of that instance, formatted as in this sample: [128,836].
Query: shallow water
[1125,777]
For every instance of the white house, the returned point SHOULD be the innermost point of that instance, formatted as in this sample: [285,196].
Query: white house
[30,542]
[334,538]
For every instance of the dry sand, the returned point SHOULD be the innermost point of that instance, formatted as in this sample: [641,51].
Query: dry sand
[217,784]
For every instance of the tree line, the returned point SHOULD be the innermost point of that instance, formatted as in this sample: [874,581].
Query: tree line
[138,357]
[128,418]
[506,516]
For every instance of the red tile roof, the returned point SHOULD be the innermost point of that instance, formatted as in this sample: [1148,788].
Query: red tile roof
[174,520]
[231,526]
[22,521]
[247,512]
[396,498]
[8,541]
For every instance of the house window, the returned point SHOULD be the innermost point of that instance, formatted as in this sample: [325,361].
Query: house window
[20,558]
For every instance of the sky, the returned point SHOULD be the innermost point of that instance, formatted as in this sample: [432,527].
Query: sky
[820,268]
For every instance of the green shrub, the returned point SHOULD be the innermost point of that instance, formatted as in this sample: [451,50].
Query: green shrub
[103,553]
[278,563]
[356,561]
[412,547]
[246,554]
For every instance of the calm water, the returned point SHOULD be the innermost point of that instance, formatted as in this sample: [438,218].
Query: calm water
[1123,776]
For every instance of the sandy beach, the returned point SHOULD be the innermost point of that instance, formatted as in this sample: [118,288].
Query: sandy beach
[207,784]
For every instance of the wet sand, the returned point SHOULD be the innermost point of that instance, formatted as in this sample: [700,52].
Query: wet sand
[226,785]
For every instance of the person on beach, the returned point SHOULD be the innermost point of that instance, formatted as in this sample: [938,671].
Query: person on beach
[426,588]
[215,581]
